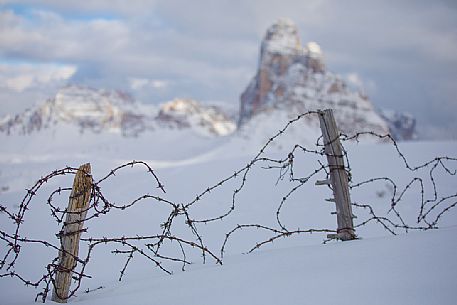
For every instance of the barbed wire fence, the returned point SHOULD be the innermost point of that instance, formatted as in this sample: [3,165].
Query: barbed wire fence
[432,208]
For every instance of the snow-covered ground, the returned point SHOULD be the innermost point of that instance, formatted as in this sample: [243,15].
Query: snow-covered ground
[414,268]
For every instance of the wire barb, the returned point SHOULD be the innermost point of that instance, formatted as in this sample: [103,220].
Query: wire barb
[150,247]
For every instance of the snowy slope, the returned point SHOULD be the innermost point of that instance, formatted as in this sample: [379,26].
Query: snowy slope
[409,270]
[381,269]
[193,147]
[416,269]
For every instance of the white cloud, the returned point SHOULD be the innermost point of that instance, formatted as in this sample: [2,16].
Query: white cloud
[20,77]
[18,83]
[145,83]
[204,52]
[354,79]
[362,84]
[138,83]
[50,37]
[158,84]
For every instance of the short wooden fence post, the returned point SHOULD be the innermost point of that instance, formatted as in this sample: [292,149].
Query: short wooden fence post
[338,176]
[71,232]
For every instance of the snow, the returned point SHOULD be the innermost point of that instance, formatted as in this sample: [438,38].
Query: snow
[314,50]
[282,38]
[205,120]
[414,268]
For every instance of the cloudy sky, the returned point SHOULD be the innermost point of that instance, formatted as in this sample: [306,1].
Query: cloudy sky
[403,53]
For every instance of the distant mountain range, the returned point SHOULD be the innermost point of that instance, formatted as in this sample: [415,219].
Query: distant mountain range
[291,79]
[116,112]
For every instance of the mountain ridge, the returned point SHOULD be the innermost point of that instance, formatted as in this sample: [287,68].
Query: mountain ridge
[114,111]
[290,78]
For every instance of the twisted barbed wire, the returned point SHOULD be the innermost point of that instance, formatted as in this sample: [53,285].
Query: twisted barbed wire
[431,210]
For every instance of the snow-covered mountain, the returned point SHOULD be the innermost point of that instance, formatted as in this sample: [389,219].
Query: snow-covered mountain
[84,107]
[293,79]
[184,113]
[116,112]
[401,125]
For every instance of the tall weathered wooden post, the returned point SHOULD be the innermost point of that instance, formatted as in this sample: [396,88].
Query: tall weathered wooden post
[71,232]
[338,176]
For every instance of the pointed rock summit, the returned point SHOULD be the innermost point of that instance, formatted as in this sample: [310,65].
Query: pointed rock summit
[281,48]
[280,51]
[293,78]
[281,38]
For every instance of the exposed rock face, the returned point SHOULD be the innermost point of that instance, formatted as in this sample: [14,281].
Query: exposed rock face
[115,111]
[401,125]
[207,120]
[84,107]
[294,79]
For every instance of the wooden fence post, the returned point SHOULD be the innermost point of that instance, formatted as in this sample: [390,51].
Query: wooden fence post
[338,176]
[71,232]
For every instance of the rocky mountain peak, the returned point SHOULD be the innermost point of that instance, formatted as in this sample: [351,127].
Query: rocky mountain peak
[293,79]
[206,120]
[92,106]
[85,107]
[281,46]
[281,38]
[282,60]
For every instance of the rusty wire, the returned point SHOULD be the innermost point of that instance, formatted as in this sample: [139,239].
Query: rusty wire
[150,246]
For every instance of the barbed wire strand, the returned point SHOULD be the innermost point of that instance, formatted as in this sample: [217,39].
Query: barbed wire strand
[431,210]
